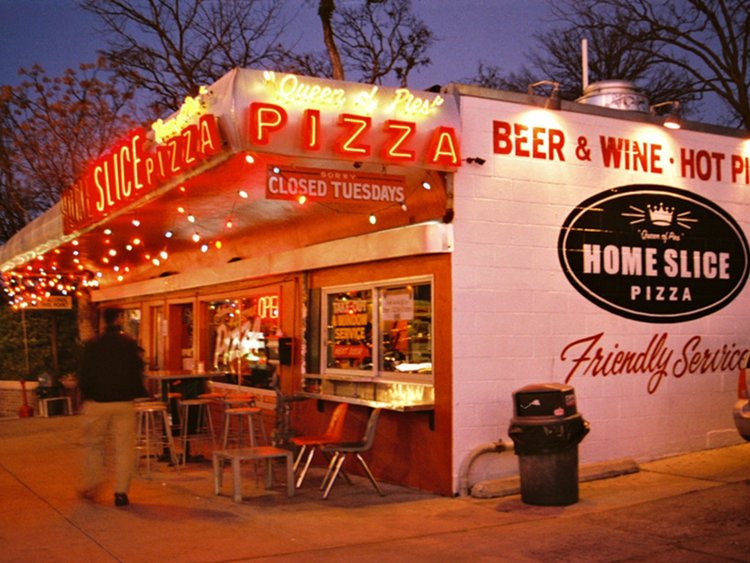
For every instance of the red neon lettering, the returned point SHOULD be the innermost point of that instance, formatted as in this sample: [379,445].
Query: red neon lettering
[444,148]
[126,185]
[190,143]
[175,153]
[210,140]
[136,144]
[356,126]
[97,176]
[311,130]
[264,120]
[400,133]
[162,159]
[150,170]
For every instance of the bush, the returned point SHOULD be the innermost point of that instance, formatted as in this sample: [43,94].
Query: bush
[40,328]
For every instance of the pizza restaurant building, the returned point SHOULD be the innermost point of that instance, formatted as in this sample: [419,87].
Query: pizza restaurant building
[424,252]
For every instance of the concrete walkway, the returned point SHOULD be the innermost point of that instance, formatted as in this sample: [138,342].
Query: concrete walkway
[690,508]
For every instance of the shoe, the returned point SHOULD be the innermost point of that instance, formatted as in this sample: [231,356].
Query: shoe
[121,499]
[88,494]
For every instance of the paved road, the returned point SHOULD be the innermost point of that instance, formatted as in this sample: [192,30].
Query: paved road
[690,508]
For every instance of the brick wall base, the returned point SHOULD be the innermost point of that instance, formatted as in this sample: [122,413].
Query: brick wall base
[11,398]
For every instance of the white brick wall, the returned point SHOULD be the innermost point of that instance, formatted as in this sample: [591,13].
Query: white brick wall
[515,311]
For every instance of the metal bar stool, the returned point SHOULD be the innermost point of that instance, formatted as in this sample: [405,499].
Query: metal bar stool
[154,434]
[198,427]
[241,414]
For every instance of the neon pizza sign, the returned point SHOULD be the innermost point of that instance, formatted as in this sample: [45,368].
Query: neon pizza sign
[301,116]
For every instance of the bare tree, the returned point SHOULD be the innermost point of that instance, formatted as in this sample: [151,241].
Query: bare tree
[707,41]
[172,48]
[51,127]
[381,38]
[326,8]
[671,50]
[16,205]
[611,55]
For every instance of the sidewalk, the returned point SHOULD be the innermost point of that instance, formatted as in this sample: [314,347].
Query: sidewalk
[694,507]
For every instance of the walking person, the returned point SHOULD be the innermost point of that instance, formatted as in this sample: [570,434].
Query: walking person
[110,378]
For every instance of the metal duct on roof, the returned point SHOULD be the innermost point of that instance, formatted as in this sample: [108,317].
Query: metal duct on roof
[615,94]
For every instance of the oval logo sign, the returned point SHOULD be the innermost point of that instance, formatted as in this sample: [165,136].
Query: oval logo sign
[654,253]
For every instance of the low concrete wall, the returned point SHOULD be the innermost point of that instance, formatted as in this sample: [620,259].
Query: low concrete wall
[11,397]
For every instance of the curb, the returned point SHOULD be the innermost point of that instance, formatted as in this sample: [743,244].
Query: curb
[591,472]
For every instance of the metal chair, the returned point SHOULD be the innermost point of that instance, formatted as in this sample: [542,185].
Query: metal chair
[331,435]
[339,451]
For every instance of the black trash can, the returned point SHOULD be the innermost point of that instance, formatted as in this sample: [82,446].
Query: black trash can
[546,429]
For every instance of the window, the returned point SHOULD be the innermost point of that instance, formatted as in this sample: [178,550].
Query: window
[382,330]
[243,335]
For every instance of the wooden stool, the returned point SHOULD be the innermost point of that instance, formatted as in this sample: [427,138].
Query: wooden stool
[236,456]
[154,433]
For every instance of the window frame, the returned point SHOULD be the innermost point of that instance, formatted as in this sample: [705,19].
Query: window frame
[375,374]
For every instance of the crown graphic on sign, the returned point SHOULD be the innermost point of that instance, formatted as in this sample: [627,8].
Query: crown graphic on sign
[660,216]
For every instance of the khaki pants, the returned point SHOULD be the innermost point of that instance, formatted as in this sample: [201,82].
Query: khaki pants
[104,422]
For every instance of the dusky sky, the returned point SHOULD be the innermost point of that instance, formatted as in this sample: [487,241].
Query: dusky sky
[57,34]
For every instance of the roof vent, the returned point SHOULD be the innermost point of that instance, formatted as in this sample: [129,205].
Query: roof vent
[615,94]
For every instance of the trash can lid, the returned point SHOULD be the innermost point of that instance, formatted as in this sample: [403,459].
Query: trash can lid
[545,399]
[545,388]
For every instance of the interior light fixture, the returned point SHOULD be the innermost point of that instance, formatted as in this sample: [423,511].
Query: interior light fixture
[244,194]
[250,159]
[476,160]
[426,185]
[373,219]
[672,119]
[553,100]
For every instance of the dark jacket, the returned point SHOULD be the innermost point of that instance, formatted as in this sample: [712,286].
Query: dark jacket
[111,368]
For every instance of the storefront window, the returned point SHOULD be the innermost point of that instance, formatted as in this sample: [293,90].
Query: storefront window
[406,329]
[132,323]
[383,330]
[243,336]
[350,330]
